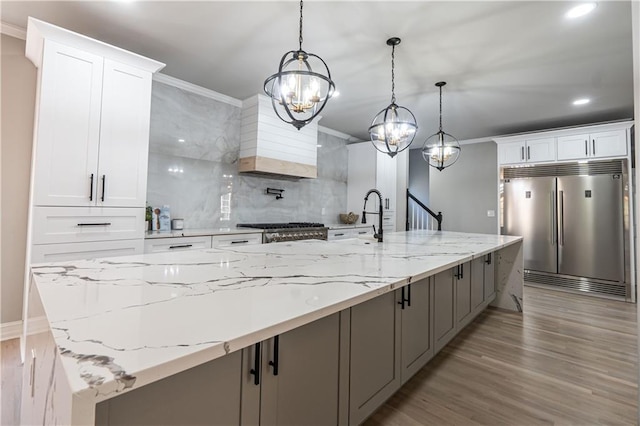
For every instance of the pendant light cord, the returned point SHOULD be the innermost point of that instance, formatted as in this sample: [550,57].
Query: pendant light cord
[440,108]
[393,75]
[300,36]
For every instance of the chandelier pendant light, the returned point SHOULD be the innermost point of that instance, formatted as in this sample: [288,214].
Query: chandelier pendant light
[393,128]
[301,87]
[441,149]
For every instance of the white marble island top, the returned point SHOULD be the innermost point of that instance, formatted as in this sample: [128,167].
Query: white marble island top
[120,323]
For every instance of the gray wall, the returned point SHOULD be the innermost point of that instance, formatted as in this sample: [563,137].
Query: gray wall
[419,176]
[207,168]
[465,191]
[18,100]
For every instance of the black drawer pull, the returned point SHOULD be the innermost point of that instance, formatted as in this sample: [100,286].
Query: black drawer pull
[182,246]
[488,261]
[239,242]
[338,235]
[95,224]
[256,366]
[402,299]
[362,232]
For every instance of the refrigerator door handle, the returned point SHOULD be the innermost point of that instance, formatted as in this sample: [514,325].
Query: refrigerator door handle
[553,217]
[561,220]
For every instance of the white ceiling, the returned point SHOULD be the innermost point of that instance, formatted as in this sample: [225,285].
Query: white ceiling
[511,66]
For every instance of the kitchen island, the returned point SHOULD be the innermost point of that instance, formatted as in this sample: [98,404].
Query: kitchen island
[117,326]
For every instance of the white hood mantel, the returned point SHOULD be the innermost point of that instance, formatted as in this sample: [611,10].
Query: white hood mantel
[269,146]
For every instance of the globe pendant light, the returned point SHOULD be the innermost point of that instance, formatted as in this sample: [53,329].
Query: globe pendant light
[441,150]
[298,93]
[394,128]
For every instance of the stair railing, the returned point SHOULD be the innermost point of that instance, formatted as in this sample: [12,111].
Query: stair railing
[419,216]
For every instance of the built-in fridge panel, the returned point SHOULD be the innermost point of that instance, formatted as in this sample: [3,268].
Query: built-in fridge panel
[529,210]
[590,226]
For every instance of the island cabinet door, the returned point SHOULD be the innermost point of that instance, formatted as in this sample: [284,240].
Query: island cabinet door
[489,277]
[417,327]
[374,360]
[462,279]
[444,315]
[477,285]
[298,377]
[206,394]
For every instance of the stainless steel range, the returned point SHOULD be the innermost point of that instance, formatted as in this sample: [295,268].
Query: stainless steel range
[292,231]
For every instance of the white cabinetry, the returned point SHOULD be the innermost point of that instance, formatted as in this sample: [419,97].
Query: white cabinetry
[157,245]
[91,141]
[368,169]
[344,233]
[592,145]
[527,151]
[236,240]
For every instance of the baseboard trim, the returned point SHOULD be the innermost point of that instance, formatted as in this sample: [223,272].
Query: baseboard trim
[10,330]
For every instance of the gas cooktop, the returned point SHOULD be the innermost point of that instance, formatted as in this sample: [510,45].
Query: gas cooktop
[289,225]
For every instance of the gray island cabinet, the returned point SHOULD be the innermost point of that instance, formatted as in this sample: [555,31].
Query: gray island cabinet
[301,333]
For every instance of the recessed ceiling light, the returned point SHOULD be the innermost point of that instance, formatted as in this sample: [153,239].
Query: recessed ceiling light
[580,10]
[180,140]
[582,101]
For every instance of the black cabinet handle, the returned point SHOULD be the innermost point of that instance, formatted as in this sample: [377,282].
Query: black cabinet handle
[409,295]
[488,261]
[457,272]
[256,366]
[338,235]
[276,353]
[181,246]
[586,147]
[528,153]
[239,241]
[95,224]
[594,147]
[91,188]
[104,179]
[402,299]
[522,152]
[462,271]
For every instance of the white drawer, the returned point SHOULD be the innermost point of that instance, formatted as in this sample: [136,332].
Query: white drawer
[362,231]
[83,224]
[156,245]
[339,234]
[76,251]
[236,239]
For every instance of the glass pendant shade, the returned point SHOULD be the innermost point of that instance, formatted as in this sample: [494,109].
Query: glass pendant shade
[393,129]
[441,150]
[301,87]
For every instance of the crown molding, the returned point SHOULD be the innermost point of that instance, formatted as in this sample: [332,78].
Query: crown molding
[198,90]
[13,30]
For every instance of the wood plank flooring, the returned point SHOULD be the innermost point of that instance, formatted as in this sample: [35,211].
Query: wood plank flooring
[569,359]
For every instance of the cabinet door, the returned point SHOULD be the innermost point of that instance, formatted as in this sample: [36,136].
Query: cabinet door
[361,175]
[477,284]
[464,308]
[124,136]
[444,318]
[609,144]
[416,324]
[68,127]
[375,355]
[305,390]
[511,153]
[75,251]
[540,150]
[208,394]
[386,176]
[573,147]
[489,277]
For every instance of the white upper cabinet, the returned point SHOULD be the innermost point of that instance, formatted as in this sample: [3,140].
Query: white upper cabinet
[608,140]
[386,177]
[68,127]
[124,136]
[92,120]
[593,145]
[527,151]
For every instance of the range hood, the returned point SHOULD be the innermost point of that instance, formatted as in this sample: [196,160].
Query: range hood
[269,146]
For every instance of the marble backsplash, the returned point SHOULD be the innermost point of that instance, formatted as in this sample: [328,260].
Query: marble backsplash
[193,153]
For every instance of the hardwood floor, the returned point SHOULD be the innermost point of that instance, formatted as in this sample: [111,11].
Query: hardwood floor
[568,359]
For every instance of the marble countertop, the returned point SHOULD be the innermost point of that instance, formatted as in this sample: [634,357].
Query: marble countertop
[199,232]
[120,323]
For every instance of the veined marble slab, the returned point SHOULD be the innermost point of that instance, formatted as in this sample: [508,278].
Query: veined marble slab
[120,323]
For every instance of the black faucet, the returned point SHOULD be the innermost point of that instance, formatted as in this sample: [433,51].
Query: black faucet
[378,234]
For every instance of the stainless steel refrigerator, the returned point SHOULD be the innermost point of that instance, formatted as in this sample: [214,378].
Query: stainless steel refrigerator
[573,219]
